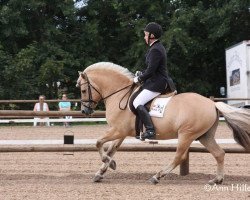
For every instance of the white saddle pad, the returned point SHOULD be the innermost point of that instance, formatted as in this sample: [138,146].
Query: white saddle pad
[158,106]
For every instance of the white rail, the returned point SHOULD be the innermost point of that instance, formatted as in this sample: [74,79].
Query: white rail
[6,121]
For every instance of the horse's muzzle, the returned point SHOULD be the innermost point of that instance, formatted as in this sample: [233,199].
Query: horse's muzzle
[87,111]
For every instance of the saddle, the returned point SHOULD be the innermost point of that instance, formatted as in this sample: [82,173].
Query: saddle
[138,122]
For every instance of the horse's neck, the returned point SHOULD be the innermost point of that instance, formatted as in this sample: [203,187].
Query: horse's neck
[117,109]
[109,85]
[117,112]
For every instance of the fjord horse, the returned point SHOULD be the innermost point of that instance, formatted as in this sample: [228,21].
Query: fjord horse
[188,117]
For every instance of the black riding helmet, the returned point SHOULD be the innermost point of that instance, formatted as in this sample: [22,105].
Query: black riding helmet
[154,28]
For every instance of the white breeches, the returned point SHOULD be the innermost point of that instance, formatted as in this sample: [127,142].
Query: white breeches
[144,97]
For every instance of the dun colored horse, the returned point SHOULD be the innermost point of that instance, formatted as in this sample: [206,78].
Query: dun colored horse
[188,116]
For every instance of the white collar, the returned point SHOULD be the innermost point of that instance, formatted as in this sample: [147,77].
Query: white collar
[153,42]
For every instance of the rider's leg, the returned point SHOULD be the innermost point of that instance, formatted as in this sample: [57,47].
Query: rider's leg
[146,120]
[144,97]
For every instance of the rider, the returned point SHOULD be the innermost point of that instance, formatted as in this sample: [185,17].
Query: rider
[154,79]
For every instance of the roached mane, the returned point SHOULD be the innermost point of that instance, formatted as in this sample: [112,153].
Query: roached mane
[110,66]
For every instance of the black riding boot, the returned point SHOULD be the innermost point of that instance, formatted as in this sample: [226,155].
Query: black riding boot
[146,120]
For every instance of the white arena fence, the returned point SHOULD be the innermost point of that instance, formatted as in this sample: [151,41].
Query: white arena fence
[51,120]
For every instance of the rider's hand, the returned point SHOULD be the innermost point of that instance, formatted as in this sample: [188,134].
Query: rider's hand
[136,79]
[138,73]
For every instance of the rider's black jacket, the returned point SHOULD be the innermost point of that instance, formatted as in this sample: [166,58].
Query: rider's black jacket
[155,77]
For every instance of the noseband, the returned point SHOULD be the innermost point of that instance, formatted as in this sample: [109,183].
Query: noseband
[90,100]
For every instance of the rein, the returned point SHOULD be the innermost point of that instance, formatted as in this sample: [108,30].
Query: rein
[90,100]
[128,92]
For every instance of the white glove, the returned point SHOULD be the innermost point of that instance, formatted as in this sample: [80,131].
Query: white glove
[138,73]
[136,80]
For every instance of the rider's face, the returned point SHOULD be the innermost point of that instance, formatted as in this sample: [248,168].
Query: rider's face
[146,34]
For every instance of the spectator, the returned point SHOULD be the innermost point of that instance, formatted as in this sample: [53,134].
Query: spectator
[41,106]
[65,106]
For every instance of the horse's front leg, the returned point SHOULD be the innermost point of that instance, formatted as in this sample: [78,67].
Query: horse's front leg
[106,157]
[111,163]
[112,150]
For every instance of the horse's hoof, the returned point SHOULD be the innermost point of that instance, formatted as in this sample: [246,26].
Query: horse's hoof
[112,164]
[97,178]
[216,181]
[154,180]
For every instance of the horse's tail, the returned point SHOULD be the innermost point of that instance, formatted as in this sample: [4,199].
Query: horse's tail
[238,119]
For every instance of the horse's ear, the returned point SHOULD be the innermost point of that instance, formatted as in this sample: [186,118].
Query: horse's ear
[82,75]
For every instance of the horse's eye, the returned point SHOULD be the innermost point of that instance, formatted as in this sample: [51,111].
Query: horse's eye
[83,91]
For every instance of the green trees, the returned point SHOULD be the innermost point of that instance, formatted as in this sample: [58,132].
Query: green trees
[45,42]
[198,35]
[33,35]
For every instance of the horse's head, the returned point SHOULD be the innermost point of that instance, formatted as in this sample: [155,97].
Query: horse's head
[101,81]
[89,94]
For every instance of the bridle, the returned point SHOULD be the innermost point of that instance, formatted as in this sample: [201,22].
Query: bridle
[90,100]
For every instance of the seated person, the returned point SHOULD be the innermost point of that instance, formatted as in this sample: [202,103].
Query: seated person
[41,106]
[65,106]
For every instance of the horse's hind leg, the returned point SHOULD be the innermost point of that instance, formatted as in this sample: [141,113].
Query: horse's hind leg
[181,153]
[209,142]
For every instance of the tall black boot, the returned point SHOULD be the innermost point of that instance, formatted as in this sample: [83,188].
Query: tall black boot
[146,120]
